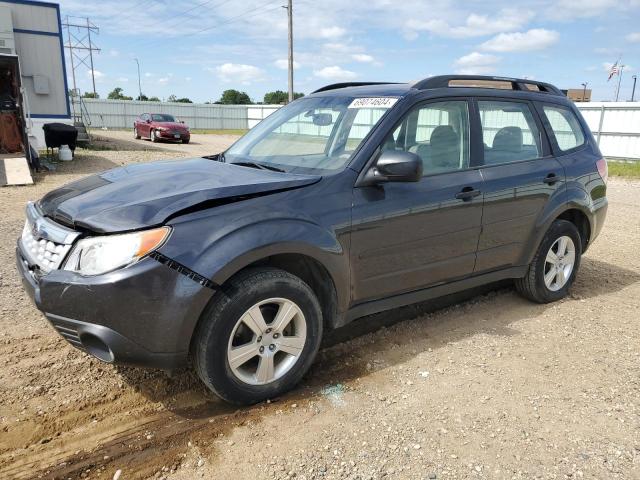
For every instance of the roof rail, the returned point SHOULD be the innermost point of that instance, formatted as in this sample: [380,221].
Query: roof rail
[443,81]
[335,86]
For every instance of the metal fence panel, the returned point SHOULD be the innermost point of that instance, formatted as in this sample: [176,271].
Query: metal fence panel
[616,126]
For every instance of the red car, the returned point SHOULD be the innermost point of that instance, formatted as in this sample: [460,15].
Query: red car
[160,126]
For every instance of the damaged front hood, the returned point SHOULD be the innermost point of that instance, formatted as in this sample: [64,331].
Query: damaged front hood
[145,195]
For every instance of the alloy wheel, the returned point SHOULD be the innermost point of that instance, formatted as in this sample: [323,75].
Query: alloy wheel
[559,263]
[267,341]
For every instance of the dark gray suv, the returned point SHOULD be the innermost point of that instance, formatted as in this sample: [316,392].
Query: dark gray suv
[356,199]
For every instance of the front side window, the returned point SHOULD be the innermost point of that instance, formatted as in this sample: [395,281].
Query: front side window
[311,135]
[438,133]
[565,126]
[509,132]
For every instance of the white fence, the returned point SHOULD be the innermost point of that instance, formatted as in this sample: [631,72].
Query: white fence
[616,126]
[122,113]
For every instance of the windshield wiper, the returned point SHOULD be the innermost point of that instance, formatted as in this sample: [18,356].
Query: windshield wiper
[261,166]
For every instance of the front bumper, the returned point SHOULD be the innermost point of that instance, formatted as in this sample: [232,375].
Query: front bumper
[169,135]
[141,315]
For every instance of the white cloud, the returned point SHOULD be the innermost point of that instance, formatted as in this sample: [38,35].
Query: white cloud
[335,73]
[163,80]
[283,64]
[239,72]
[114,53]
[122,79]
[535,39]
[476,64]
[633,37]
[363,58]
[583,8]
[475,25]
[148,74]
[331,32]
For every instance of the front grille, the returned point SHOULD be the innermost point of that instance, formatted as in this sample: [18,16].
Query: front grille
[47,255]
[44,243]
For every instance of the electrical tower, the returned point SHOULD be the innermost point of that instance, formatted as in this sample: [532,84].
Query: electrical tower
[81,46]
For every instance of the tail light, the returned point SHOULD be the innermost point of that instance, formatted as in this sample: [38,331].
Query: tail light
[602,169]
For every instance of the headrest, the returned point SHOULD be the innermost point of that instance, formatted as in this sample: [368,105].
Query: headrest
[443,136]
[508,139]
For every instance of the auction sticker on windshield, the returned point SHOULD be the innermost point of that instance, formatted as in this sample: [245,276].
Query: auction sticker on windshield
[373,102]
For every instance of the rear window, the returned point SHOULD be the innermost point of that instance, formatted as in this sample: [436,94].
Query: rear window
[565,126]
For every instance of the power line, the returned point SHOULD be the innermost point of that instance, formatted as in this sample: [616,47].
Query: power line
[252,12]
[183,13]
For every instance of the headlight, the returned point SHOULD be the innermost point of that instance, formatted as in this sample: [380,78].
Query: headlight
[96,255]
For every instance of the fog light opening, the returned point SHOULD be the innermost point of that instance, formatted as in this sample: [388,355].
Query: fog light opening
[96,347]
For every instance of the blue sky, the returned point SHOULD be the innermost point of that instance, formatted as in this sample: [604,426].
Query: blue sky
[198,48]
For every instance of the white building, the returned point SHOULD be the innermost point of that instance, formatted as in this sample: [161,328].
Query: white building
[32,30]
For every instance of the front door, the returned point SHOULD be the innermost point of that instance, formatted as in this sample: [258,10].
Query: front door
[407,236]
[520,176]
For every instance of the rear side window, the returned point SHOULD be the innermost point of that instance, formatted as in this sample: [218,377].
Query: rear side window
[509,132]
[565,126]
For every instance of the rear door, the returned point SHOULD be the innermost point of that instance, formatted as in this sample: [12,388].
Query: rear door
[408,236]
[520,176]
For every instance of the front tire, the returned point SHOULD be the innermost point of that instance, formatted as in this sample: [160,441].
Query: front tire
[555,265]
[258,337]
[153,137]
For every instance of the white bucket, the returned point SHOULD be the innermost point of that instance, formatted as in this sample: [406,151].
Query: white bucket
[64,153]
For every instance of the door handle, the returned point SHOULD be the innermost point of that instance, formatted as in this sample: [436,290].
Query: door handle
[467,193]
[551,179]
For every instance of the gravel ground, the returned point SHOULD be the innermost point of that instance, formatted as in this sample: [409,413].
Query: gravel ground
[481,385]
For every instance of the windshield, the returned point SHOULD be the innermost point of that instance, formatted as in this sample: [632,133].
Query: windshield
[311,135]
[159,117]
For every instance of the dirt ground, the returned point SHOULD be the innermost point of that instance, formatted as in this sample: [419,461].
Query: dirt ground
[481,385]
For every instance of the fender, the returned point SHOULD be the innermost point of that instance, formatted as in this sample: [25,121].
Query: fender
[571,197]
[291,236]
[219,249]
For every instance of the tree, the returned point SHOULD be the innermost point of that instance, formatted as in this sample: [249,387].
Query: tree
[142,98]
[154,99]
[278,97]
[116,94]
[234,97]
[90,95]
[183,100]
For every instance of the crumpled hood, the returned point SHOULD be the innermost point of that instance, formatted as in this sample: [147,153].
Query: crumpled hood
[145,195]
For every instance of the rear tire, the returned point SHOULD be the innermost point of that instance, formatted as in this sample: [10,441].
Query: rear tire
[555,265]
[186,141]
[244,318]
[136,135]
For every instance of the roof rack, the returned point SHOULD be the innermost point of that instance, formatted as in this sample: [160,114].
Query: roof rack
[335,86]
[443,81]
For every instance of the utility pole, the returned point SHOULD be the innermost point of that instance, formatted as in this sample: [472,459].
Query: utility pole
[633,91]
[619,80]
[139,82]
[584,91]
[289,8]
[81,48]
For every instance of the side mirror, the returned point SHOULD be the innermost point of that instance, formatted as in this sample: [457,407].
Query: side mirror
[148,121]
[395,166]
